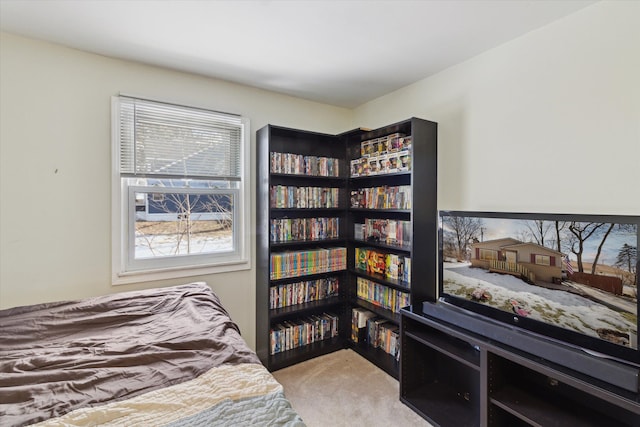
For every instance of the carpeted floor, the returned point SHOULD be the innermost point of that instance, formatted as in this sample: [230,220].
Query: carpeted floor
[344,389]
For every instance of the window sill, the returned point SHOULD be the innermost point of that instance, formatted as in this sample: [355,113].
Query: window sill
[177,272]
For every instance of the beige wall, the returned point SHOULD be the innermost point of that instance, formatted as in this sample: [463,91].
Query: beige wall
[55,213]
[549,122]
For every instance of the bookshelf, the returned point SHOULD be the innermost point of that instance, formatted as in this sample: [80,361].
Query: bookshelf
[301,277]
[323,201]
[387,219]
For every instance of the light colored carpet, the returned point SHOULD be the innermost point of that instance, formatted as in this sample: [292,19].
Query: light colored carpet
[344,389]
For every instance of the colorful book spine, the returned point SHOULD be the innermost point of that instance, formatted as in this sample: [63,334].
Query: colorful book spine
[289,294]
[375,331]
[292,334]
[385,197]
[389,231]
[301,263]
[293,229]
[381,295]
[298,164]
[359,318]
[385,265]
[388,339]
[286,196]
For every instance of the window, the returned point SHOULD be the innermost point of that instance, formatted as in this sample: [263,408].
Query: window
[180,191]
[542,259]
[488,254]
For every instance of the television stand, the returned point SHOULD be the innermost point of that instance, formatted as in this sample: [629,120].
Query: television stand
[453,377]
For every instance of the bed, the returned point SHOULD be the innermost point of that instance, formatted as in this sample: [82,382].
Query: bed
[169,356]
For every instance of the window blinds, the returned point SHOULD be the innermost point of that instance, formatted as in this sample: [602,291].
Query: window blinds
[169,141]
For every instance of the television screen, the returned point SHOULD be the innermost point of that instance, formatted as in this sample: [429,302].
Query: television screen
[570,277]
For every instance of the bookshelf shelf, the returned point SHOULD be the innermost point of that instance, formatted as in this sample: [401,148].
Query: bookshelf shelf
[313,210]
[306,277]
[303,309]
[379,311]
[410,145]
[383,360]
[302,243]
[384,176]
[303,177]
[382,211]
[381,245]
[300,354]
[378,278]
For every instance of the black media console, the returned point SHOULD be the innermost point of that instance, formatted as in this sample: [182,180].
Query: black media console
[458,370]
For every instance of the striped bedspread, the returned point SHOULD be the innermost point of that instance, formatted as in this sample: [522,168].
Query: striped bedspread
[227,395]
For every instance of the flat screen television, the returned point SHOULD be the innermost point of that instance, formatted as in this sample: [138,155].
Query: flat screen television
[571,278]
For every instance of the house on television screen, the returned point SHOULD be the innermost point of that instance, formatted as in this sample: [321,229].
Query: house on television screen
[529,261]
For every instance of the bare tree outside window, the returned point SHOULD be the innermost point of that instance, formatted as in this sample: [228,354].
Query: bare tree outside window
[537,231]
[464,229]
[181,223]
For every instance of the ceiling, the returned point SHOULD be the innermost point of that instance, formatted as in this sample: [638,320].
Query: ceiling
[342,53]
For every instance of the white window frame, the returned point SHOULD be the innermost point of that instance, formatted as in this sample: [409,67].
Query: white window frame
[123,221]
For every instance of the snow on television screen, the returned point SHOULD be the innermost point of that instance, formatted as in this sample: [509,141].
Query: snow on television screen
[570,277]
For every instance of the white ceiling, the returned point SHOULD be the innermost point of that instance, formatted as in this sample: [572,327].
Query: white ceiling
[342,53]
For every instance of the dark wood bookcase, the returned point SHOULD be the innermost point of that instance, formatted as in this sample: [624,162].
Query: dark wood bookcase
[422,214]
[274,139]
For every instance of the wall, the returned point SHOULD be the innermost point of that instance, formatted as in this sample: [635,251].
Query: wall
[549,122]
[55,215]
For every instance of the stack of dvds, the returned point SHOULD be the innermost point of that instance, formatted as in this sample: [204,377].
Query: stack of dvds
[292,229]
[302,292]
[376,331]
[389,231]
[381,295]
[359,318]
[297,333]
[385,197]
[384,335]
[389,265]
[286,196]
[397,267]
[301,263]
[297,164]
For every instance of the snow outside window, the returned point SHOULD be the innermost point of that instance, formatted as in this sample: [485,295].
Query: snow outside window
[180,191]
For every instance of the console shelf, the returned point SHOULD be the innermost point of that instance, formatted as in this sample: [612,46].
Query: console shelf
[450,346]
[538,411]
[442,403]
